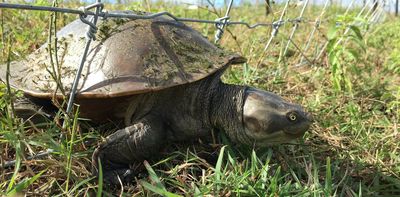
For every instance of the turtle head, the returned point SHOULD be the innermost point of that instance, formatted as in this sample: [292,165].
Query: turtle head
[268,119]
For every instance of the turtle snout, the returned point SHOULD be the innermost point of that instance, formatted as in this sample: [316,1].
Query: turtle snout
[301,122]
[309,116]
[268,119]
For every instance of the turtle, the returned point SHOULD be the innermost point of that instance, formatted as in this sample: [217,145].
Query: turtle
[162,79]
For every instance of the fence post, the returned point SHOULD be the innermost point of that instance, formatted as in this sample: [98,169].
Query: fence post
[397,8]
[375,5]
[268,8]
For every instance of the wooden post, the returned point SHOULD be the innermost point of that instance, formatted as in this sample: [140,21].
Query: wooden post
[397,8]
[268,9]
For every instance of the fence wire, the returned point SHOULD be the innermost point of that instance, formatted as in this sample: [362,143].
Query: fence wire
[105,14]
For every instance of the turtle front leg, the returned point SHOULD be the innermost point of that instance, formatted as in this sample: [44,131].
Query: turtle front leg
[130,145]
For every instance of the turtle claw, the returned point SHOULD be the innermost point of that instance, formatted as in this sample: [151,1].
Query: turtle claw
[118,177]
[113,173]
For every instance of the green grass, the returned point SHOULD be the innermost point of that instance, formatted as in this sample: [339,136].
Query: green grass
[353,92]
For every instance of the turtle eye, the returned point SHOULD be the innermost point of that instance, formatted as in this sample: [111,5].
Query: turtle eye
[292,116]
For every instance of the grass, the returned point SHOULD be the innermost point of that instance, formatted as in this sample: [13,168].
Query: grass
[353,92]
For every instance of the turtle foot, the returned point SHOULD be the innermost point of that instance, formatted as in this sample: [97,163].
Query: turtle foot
[119,176]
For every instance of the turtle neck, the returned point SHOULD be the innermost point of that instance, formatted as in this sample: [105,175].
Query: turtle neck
[226,111]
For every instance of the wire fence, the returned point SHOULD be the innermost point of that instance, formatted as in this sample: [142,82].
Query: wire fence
[371,11]
[286,27]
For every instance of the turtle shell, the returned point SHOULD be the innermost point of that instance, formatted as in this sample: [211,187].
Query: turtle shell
[128,57]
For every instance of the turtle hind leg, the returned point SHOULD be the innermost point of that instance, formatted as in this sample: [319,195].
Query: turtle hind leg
[131,145]
[35,111]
